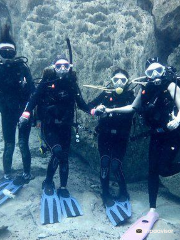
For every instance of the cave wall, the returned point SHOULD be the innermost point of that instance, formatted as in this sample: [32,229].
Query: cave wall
[104,34]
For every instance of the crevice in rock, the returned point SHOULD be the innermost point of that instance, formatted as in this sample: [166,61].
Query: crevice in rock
[145,5]
[168,39]
[4,14]
[165,45]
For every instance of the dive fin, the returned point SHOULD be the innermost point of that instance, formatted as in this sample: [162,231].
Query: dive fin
[125,207]
[13,187]
[4,183]
[69,205]
[140,229]
[50,205]
[117,212]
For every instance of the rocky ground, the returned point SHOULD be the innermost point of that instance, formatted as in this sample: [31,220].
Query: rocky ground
[22,214]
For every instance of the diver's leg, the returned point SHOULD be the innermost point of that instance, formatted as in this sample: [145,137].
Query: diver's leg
[65,140]
[118,152]
[170,147]
[24,148]
[153,178]
[104,151]
[50,135]
[9,131]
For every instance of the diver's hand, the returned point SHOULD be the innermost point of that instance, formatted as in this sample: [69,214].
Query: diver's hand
[172,125]
[99,110]
[24,119]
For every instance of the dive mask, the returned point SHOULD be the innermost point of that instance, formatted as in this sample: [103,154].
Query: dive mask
[155,70]
[62,67]
[119,82]
[7,51]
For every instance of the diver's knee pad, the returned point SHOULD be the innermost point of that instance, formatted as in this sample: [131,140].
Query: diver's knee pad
[57,151]
[105,162]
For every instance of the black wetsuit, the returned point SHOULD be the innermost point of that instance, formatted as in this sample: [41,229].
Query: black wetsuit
[113,133]
[157,105]
[15,88]
[56,100]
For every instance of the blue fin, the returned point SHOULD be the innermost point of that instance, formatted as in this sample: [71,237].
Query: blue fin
[125,206]
[50,205]
[69,205]
[13,186]
[118,212]
[4,183]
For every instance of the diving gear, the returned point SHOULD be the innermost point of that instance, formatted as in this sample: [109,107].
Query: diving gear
[62,67]
[117,211]
[4,183]
[109,90]
[13,187]
[43,149]
[8,193]
[119,80]
[155,70]
[24,119]
[27,177]
[5,45]
[7,51]
[70,54]
[119,90]
[141,228]
[7,177]
[50,204]
[69,205]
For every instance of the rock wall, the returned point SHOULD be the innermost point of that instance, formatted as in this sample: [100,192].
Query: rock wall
[104,34]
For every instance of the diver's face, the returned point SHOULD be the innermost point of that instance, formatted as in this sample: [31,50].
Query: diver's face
[62,67]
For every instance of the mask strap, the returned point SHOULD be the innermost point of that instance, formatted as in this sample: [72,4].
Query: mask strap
[3,45]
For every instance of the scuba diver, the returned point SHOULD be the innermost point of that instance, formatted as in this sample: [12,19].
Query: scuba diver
[158,102]
[55,97]
[113,133]
[16,86]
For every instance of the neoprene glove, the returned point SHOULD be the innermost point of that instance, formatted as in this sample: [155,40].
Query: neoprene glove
[172,125]
[24,119]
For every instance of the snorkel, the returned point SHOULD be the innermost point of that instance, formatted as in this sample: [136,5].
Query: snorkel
[70,54]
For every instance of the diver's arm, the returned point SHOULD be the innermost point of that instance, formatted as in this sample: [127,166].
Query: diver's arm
[48,75]
[174,90]
[129,108]
[80,101]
